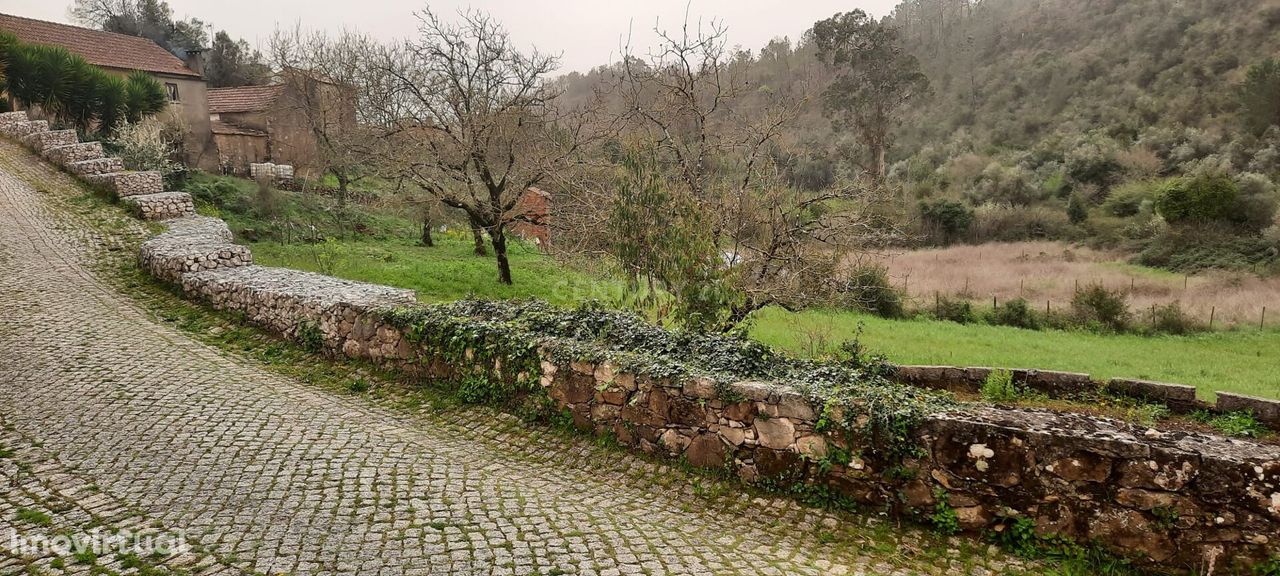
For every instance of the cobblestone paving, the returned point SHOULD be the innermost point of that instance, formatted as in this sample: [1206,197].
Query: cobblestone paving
[113,420]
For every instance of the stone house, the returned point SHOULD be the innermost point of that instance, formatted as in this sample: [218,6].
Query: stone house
[279,122]
[122,54]
[534,215]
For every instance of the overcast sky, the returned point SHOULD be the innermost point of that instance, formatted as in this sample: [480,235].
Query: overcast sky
[586,32]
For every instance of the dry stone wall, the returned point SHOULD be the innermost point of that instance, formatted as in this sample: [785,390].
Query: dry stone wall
[161,206]
[1171,500]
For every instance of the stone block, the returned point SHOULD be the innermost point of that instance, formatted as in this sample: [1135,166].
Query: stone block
[106,165]
[162,206]
[41,141]
[1266,411]
[127,183]
[64,155]
[1176,396]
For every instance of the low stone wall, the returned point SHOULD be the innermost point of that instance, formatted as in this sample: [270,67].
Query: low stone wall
[1180,399]
[193,244]
[162,206]
[302,305]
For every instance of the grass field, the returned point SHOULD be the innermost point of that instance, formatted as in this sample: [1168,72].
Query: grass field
[1246,362]
[1047,273]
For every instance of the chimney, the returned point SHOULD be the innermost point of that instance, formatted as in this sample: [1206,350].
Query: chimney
[195,60]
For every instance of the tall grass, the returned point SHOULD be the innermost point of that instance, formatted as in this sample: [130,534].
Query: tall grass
[1049,272]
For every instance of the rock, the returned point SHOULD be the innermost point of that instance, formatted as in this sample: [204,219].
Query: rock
[706,451]
[1082,466]
[703,388]
[776,433]
[814,447]
[673,441]
[733,436]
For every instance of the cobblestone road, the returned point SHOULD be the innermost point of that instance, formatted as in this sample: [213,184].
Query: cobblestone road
[113,421]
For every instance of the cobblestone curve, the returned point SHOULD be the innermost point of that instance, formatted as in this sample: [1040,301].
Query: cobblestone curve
[273,476]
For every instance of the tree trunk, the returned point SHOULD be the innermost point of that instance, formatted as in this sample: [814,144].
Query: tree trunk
[477,234]
[426,231]
[499,239]
[343,182]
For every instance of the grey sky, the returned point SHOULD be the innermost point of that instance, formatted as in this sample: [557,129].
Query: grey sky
[586,32]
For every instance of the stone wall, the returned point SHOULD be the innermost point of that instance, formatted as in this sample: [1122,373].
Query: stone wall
[1180,399]
[1172,500]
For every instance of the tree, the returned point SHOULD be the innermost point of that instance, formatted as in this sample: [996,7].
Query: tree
[875,79]
[151,19]
[1259,96]
[949,218]
[1200,199]
[1077,211]
[330,82]
[231,63]
[470,118]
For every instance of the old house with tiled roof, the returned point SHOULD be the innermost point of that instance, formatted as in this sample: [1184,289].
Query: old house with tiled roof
[122,54]
[275,123]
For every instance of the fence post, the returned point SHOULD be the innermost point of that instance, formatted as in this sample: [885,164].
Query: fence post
[1262,324]
[1212,311]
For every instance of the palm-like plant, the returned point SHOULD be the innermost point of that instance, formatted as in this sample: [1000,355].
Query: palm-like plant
[144,96]
[111,104]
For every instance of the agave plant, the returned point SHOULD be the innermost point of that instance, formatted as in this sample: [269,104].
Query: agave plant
[111,104]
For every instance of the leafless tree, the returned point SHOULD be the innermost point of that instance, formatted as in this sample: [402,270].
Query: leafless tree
[329,81]
[471,119]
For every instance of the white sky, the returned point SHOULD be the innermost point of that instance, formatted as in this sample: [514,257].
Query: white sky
[586,32]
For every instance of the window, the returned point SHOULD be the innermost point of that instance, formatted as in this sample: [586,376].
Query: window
[172,89]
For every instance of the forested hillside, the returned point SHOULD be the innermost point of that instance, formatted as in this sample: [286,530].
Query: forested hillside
[1061,119]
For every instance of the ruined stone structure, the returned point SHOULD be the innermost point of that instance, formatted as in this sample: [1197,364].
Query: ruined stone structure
[1177,501]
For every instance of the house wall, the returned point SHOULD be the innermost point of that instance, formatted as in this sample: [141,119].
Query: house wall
[193,108]
[237,151]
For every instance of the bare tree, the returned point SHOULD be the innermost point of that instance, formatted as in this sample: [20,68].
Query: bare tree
[471,119]
[329,81]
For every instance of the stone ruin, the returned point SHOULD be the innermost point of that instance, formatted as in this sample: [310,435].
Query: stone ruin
[1174,501]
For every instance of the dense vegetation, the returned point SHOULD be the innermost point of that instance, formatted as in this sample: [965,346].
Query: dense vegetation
[72,91]
[1083,120]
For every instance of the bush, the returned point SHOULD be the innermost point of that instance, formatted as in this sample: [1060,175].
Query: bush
[1097,307]
[868,288]
[1077,211]
[147,145]
[1127,199]
[947,219]
[1170,319]
[1190,249]
[1200,199]
[1016,313]
[959,311]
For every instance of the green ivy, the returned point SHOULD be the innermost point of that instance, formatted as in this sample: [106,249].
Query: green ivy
[856,394]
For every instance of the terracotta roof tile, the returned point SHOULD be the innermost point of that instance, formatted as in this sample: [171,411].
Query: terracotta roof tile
[106,49]
[244,98]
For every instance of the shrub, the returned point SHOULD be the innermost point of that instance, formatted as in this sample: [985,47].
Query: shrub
[1200,199]
[1236,424]
[1077,211]
[959,311]
[999,387]
[1016,313]
[1127,199]
[950,219]
[1170,319]
[1260,108]
[868,288]
[1096,306]
[150,144]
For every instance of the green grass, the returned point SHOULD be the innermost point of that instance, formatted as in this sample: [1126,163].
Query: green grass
[447,271]
[386,252]
[1243,362]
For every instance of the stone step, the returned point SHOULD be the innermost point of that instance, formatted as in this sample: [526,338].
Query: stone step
[42,141]
[13,117]
[20,129]
[97,166]
[64,155]
[127,183]
[191,245]
[162,206]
